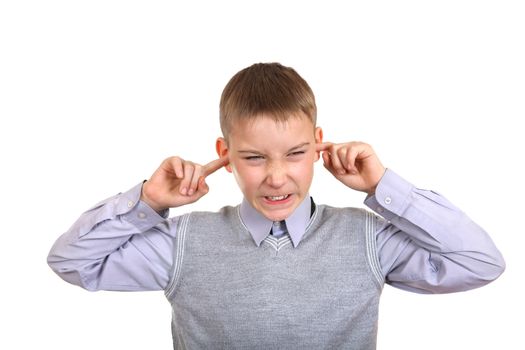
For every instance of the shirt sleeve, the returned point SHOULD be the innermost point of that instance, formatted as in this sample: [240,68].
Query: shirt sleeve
[120,244]
[427,245]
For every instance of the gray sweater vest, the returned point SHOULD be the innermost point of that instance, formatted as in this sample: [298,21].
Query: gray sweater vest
[227,293]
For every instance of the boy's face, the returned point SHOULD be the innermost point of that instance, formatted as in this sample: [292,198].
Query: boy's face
[273,162]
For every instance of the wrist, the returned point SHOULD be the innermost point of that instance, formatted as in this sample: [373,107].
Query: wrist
[152,204]
[372,190]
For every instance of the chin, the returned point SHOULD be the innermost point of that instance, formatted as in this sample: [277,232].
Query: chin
[277,215]
[281,210]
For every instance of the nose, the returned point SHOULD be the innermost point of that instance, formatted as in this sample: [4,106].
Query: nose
[276,175]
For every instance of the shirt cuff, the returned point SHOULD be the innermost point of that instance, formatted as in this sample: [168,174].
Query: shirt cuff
[137,212]
[392,195]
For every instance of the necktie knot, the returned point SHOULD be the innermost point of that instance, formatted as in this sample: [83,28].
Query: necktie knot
[279,228]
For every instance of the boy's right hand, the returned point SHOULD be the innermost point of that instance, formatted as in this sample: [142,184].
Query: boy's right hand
[178,182]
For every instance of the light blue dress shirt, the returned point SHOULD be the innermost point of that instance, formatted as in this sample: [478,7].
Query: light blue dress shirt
[426,244]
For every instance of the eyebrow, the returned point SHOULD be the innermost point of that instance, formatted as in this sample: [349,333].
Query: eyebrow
[294,148]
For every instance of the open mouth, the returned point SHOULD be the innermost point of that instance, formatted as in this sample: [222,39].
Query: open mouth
[277,199]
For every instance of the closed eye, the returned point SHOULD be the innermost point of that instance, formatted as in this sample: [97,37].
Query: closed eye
[297,153]
[254,158]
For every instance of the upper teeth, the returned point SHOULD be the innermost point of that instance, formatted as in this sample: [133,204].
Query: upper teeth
[277,198]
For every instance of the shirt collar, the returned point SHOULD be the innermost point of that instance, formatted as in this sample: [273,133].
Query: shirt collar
[259,226]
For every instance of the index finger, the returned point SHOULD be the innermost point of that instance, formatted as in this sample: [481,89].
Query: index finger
[323,146]
[215,165]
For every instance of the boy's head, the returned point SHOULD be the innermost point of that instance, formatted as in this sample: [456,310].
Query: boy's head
[268,119]
[268,89]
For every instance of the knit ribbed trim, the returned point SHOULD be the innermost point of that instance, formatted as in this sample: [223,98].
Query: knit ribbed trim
[278,243]
[182,227]
[371,249]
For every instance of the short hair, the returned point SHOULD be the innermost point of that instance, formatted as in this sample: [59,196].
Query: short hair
[268,89]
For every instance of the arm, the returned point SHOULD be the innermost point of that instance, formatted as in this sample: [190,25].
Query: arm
[125,242]
[120,244]
[426,244]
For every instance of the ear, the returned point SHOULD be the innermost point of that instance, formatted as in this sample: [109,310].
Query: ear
[221,146]
[318,134]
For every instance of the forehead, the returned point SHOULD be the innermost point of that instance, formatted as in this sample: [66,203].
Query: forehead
[268,133]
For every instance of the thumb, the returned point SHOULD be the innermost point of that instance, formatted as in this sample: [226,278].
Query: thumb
[202,187]
[327,162]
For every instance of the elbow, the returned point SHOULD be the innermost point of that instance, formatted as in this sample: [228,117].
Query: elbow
[502,267]
[487,265]
[54,262]
[464,273]
[68,274]
[481,259]
[495,267]
[484,273]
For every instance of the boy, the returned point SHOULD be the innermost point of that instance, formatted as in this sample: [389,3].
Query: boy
[278,270]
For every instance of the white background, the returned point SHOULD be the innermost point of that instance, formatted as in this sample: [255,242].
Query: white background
[94,94]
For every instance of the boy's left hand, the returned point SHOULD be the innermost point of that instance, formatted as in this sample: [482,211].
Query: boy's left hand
[354,163]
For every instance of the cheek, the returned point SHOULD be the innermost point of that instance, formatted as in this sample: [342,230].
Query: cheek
[303,171]
[247,177]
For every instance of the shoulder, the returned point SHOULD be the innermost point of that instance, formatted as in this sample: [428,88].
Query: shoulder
[347,216]
[224,211]
[224,214]
[330,211]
